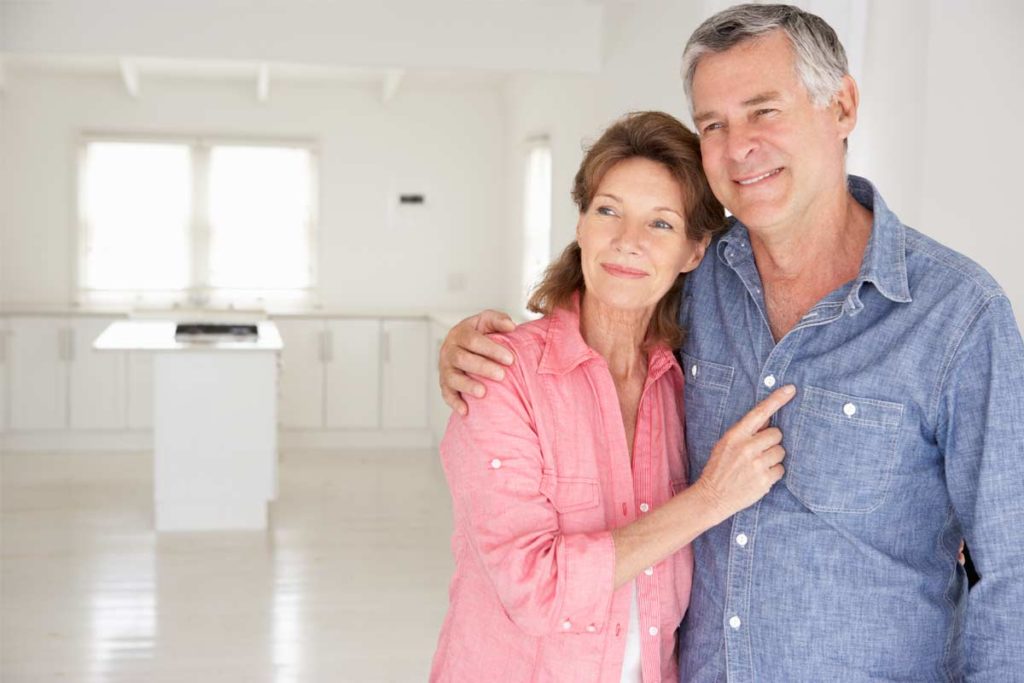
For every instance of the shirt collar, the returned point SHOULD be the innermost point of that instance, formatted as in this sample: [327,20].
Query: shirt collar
[885,257]
[565,348]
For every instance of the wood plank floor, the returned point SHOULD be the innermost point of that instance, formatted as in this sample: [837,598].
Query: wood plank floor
[348,584]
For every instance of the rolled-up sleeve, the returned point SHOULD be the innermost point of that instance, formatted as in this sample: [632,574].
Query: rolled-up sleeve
[548,581]
[981,433]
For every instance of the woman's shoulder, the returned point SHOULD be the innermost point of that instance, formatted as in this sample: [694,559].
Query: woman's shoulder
[526,342]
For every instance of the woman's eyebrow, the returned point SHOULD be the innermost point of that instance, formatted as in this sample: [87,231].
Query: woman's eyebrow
[610,196]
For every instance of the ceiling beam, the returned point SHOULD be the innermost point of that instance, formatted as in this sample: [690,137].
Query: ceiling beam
[130,77]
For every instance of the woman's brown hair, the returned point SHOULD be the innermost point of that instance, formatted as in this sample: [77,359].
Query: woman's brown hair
[659,137]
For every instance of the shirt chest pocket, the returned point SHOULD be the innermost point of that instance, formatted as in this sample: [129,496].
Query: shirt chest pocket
[843,451]
[577,501]
[707,389]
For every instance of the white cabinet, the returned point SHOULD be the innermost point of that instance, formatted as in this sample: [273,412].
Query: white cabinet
[353,374]
[140,390]
[97,380]
[438,410]
[56,381]
[404,373]
[38,373]
[3,374]
[301,378]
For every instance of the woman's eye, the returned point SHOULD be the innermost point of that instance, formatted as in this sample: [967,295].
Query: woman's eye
[662,225]
[606,211]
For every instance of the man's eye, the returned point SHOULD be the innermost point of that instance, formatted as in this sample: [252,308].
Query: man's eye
[765,112]
[711,127]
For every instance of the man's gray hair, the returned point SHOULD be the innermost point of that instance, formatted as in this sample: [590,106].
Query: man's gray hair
[820,57]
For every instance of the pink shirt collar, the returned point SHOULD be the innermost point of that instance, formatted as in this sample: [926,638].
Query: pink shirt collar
[565,348]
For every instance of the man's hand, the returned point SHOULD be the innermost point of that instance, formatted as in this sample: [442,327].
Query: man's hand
[466,349]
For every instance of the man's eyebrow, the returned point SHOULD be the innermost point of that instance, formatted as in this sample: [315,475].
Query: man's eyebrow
[760,98]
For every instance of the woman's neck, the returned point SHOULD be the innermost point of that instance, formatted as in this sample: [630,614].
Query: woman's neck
[617,334]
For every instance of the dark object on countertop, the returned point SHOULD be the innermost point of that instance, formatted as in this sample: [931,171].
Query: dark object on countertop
[215,332]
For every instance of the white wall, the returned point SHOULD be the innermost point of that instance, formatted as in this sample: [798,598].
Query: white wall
[445,141]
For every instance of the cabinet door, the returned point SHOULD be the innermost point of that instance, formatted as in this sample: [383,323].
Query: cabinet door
[300,403]
[38,373]
[439,412]
[405,370]
[4,353]
[140,390]
[98,379]
[353,374]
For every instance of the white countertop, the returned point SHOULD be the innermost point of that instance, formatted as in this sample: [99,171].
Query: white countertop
[158,335]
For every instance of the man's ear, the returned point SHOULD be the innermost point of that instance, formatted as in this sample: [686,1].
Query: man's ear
[697,256]
[846,102]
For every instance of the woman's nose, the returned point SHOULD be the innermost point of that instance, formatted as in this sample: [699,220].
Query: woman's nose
[629,238]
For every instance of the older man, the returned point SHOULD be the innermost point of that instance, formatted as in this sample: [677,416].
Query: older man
[907,433]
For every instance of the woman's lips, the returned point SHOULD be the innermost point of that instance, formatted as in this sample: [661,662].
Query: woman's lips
[623,271]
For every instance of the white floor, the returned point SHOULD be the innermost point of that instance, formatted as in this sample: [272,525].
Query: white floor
[349,584]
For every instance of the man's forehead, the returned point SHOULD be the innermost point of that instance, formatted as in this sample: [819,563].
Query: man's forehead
[748,73]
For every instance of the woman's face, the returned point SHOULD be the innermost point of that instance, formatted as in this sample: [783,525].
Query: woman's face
[633,239]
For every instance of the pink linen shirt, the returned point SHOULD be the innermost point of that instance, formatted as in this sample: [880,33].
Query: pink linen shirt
[540,474]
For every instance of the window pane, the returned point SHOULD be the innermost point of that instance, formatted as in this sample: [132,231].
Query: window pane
[137,205]
[260,202]
[537,215]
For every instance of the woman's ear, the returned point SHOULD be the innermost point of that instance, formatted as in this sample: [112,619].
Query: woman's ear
[697,255]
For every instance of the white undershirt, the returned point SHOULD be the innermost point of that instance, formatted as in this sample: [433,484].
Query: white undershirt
[631,669]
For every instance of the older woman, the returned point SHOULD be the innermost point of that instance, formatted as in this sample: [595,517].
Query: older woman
[572,515]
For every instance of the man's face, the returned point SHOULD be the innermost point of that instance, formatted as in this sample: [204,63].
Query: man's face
[768,152]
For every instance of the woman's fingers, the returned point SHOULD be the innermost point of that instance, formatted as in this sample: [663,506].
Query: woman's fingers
[760,414]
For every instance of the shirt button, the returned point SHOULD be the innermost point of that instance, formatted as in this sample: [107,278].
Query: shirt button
[741,540]
[693,370]
[495,463]
[644,507]
[849,410]
[649,571]
[735,622]
[653,630]
[591,629]
[566,625]
[769,381]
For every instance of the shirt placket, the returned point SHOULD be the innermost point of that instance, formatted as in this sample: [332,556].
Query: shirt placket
[648,600]
[743,532]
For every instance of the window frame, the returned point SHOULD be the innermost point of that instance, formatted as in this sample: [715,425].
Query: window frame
[198,293]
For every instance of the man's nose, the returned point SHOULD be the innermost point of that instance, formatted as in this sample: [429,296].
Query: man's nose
[740,142]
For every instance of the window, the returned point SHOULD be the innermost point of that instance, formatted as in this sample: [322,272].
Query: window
[165,222]
[536,213]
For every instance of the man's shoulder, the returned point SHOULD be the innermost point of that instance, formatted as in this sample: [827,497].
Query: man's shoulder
[930,261]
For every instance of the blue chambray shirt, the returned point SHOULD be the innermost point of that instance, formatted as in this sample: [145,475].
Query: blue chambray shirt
[906,435]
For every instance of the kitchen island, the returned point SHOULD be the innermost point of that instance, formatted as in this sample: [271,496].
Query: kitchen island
[214,423]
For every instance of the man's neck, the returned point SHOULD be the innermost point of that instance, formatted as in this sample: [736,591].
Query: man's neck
[824,246]
[801,262]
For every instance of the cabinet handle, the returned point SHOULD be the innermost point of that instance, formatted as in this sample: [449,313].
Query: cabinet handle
[62,335]
[3,346]
[329,346]
[322,339]
[71,344]
[385,339]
